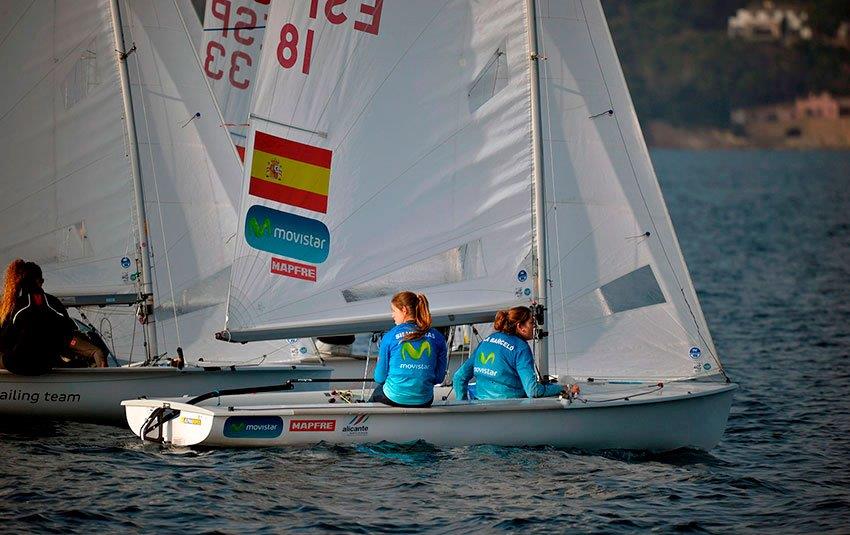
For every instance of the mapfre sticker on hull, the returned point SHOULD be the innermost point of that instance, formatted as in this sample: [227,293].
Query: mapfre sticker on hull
[312,426]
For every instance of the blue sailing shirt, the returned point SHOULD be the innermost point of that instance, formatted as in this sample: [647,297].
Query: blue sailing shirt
[409,369]
[503,367]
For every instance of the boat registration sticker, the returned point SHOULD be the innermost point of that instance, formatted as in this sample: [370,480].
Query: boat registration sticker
[253,427]
[191,421]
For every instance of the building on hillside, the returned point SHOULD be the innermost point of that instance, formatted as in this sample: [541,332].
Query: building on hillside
[814,121]
[769,23]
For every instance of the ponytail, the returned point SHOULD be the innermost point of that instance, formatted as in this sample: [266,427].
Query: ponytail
[418,306]
[507,321]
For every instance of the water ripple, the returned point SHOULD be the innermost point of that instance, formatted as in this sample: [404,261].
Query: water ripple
[766,238]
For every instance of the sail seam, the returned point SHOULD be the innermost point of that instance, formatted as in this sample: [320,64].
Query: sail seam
[15,25]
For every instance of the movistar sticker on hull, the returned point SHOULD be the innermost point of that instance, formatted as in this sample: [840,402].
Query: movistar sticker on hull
[287,234]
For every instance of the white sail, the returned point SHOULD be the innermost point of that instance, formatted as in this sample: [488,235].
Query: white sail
[230,54]
[68,200]
[421,134]
[191,176]
[420,112]
[621,302]
[66,182]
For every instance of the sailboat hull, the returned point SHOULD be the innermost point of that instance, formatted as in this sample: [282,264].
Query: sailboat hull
[686,415]
[96,394]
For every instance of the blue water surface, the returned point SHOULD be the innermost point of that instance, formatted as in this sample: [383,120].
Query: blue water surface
[767,238]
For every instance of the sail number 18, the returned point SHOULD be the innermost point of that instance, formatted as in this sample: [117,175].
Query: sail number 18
[334,12]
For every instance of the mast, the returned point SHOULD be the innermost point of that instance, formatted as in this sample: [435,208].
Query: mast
[146,285]
[539,226]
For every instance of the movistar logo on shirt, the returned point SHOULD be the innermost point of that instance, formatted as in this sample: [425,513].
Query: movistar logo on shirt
[407,350]
[488,359]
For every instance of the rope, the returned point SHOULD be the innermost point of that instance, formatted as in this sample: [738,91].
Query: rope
[656,388]
[373,340]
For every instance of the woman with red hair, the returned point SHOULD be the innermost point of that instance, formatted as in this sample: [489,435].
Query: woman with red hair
[33,328]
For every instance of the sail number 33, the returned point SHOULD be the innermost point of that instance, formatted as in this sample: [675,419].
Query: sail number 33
[368,20]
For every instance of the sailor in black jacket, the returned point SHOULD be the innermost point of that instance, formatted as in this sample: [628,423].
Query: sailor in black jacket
[36,332]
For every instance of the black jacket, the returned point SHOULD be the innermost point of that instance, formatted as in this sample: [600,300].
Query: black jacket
[34,335]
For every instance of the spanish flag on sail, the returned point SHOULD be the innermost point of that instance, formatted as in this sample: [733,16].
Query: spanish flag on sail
[290,172]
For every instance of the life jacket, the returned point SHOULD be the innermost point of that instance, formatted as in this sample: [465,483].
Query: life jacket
[34,335]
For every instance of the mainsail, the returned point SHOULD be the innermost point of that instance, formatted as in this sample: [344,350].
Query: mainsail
[66,180]
[392,148]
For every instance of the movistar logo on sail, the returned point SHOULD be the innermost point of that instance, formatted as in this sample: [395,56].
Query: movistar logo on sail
[260,231]
[407,350]
[287,234]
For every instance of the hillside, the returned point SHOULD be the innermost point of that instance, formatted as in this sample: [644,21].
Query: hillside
[684,70]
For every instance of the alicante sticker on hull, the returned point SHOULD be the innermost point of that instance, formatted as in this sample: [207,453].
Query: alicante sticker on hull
[287,234]
[253,427]
[357,426]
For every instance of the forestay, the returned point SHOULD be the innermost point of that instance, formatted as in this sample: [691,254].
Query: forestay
[621,302]
[390,149]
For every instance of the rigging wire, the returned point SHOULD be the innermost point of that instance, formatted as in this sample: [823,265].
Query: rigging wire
[131,27]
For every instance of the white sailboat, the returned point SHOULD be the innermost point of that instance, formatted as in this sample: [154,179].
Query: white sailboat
[118,178]
[486,153]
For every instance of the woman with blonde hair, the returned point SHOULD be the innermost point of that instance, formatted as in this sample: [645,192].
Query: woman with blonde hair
[413,355]
[502,363]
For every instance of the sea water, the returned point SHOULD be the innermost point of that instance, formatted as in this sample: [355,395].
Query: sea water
[767,238]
